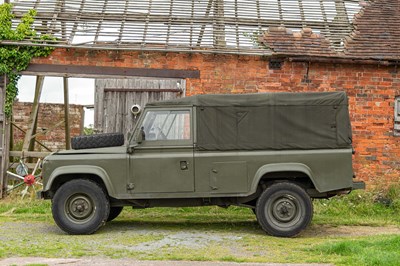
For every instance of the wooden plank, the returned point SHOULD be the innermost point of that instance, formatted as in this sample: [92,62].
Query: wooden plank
[4,138]
[76,23]
[4,157]
[99,105]
[97,71]
[124,16]
[171,8]
[35,154]
[191,25]
[38,142]
[34,114]
[66,114]
[99,26]
[146,25]
[219,25]
[141,90]
[203,27]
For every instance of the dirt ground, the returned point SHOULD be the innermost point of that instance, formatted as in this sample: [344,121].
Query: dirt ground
[130,262]
[339,231]
[180,239]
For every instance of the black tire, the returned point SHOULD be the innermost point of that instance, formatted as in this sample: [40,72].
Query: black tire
[80,207]
[114,212]
[97,141]
[284,209]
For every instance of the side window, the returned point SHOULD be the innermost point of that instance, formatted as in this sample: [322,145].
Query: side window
[167,125]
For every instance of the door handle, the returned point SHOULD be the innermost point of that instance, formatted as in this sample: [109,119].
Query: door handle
[184,165]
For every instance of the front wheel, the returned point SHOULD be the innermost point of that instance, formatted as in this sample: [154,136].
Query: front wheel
[284,209]
[114,212]
[80,207]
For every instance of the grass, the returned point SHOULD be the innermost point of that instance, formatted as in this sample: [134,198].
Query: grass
[380,250]
[359,208]
[213,234]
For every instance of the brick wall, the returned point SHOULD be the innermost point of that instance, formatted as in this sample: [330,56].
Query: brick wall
[371,89]
[49,115]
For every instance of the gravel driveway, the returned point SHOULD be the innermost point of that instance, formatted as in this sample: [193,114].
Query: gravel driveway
[142,244]
[130,262]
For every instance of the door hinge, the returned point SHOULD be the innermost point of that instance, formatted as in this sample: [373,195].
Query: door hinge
[130,186]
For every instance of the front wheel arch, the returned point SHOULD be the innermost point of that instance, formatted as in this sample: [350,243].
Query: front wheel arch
[62,179]
[64,174]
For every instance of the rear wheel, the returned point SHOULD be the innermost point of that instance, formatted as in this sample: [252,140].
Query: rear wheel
[80,207]
[284,209]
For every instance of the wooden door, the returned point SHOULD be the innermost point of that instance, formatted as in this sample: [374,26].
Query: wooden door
[115,97]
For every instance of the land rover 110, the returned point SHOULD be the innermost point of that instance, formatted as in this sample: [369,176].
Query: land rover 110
[272,153]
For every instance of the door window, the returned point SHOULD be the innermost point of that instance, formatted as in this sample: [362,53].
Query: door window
[166,125]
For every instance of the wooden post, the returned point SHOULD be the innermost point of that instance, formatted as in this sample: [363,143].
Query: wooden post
[32,122]
[4,138]
[2,176]
[66,114]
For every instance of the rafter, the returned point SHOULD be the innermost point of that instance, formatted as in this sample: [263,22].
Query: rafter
[224,26]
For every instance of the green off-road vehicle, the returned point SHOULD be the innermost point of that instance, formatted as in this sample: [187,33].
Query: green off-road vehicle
[271,152]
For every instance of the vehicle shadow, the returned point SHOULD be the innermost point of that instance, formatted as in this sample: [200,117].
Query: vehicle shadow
[175,226]
[242,227]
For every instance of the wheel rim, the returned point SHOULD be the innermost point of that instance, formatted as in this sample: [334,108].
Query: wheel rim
[284,211]
[79,208]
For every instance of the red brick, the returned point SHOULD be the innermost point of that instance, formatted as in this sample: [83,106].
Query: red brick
[371,90]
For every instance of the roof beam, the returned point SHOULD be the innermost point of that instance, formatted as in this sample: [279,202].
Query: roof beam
[200,20]
[96,37]
[97,71]
[124,16]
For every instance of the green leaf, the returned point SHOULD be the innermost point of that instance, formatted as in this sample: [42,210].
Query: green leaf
[14,58]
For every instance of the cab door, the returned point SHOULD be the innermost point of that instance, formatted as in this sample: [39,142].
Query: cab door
[163,161]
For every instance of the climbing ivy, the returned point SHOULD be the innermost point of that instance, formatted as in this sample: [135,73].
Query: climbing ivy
[13,58]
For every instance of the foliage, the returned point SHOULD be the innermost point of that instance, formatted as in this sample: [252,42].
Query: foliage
[14,59]
[360,208]
[382,250]
[89,130]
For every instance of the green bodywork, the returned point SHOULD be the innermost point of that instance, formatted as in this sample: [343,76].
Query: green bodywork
[161,169]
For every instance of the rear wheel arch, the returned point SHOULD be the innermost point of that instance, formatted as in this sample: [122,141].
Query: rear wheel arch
[293,172]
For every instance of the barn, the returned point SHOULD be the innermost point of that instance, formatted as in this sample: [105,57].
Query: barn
[146,50]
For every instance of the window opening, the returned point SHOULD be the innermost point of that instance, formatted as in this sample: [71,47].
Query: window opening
[397,116]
